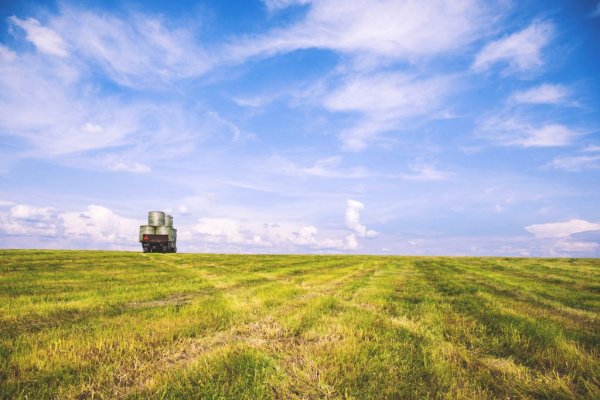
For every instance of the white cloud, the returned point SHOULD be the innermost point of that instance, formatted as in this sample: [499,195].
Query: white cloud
[561,229]
[226,234]
[43,104]
[573,246]
[251,234]
[596,12]
[576,163]
[183,209]
[131,167]
[353,209]
[26,220]
[99,224]
[6,55]
[275,5]
[91,228]
[551,135]
[522,51]
[512,131]
[46,40]
[543,94]
[330,167]
[136,50]
[351,242]
[221,230]
[27,212]
[384,101]
[374,32]
[307,235]
[53,106]
[425,172]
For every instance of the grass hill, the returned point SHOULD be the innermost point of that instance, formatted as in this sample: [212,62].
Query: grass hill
[87,324]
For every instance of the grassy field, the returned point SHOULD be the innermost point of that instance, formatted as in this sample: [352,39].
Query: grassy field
[83,324]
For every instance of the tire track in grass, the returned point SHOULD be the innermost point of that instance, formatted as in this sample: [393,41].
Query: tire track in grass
[580,325]
[537,345]
[261,331]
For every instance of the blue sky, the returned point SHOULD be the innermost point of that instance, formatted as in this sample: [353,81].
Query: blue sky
[458,127]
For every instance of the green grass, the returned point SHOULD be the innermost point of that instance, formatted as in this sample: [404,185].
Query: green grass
[84,324]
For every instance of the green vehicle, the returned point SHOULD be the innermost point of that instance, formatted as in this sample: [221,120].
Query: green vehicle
[158,236]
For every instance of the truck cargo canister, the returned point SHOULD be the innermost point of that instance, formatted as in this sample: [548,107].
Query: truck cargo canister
[146,230]
[166,230]
[156,218]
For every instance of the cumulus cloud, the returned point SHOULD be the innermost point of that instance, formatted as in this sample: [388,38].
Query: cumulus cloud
[543,94]
[353,210]
[27,220]
[93,227]
[351,242]
[226,234]
[45,39]
[100,225]
[562,229]
[250,234]
[521,51]
[221,230]
[575,236]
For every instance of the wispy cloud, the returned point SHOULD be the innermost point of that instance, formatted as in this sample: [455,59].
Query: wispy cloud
[275,5]
[131,167]
[512,131]
[374,32]
[136,50]
[575,163]
[543,94]
[45,39]
[425,172]
[384,100]
[521,51]
[329,167]
[596,12]
[60,111]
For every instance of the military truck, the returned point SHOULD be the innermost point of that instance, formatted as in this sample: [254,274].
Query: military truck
[158,236]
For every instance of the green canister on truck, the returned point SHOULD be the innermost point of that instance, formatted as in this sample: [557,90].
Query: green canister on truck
[158,236]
